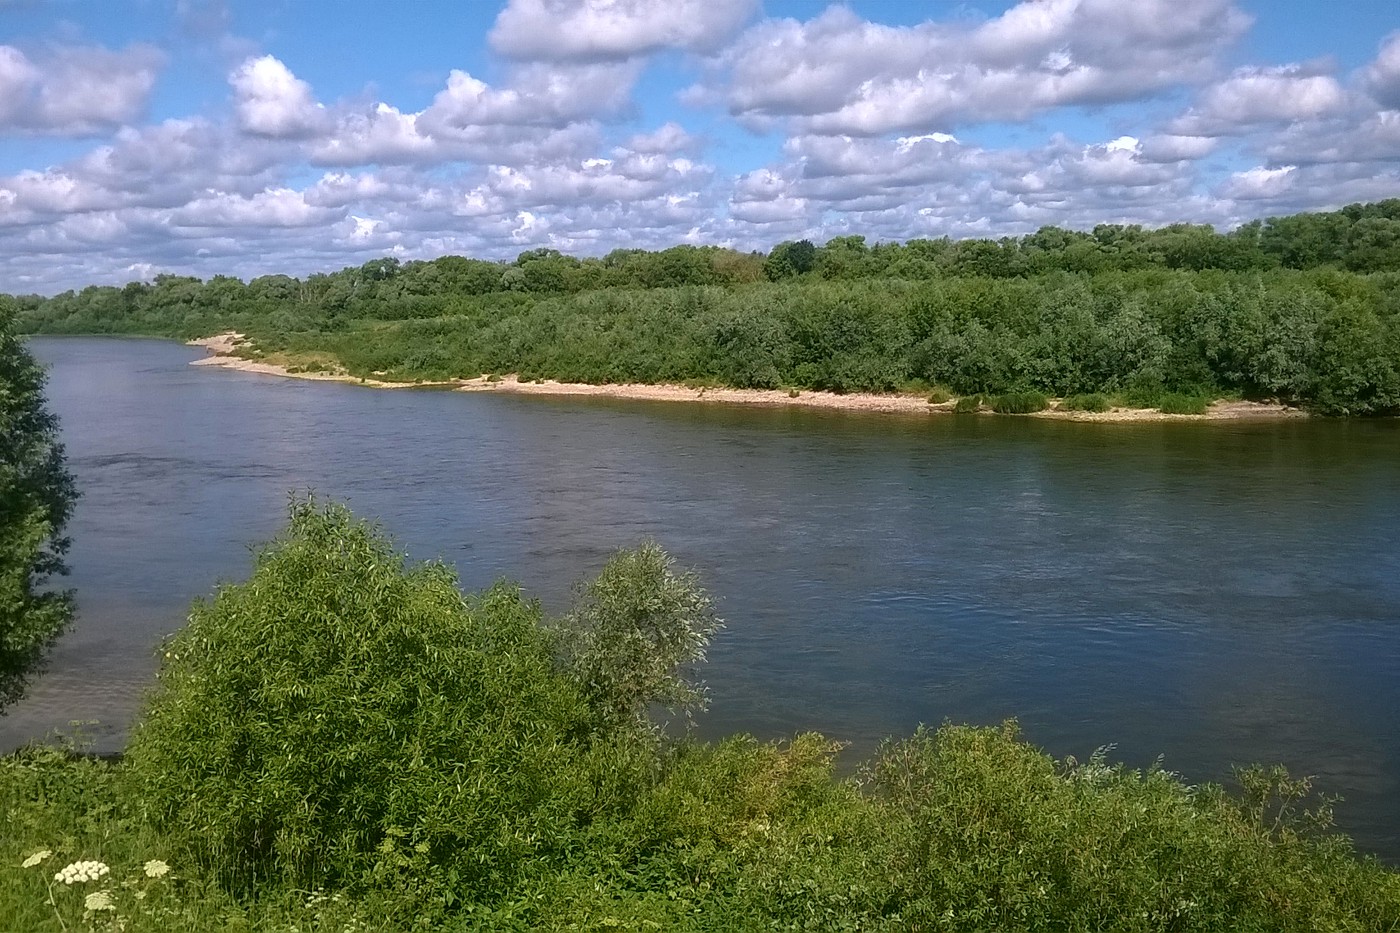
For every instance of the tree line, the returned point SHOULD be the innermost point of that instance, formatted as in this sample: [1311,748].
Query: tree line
[1300,308]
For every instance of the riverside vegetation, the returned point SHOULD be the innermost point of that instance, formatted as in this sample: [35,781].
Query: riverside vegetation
[1303,309]
[346,742]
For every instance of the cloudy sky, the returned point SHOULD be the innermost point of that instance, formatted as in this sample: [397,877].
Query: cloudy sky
[220,136]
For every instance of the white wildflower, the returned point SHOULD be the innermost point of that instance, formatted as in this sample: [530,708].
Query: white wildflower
[156,868]
[81,871]
[35,859]
[99,900]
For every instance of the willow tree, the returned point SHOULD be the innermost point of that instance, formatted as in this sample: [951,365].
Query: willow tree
[36,499]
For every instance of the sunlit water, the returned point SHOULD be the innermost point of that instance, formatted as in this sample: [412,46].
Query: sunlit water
[1208,593]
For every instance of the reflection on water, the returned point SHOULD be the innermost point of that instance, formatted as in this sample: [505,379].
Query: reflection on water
[1213,594]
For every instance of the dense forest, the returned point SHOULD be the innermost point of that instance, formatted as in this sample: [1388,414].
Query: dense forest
[1304,309]
[346,742]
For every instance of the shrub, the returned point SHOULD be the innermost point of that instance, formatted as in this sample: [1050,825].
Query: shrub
[968,404]
[346,718]
[986,832]
[1094,402]
[631,634]
[939,395]
[1020,403]
[1178,403]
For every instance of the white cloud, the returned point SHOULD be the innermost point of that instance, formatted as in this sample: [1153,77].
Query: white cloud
[669,137]
[1258,183]
[840,74]
[1167,147]
[595,30]
[74,90]
[539,96]
[271,101]
[1381,78]
[381,134]
[1254,96]
[277,207]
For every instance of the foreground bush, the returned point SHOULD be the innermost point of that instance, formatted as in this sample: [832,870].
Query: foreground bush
[345,742]
[343,717]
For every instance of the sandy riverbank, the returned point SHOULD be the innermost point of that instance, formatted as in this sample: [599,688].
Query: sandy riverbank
[223,348]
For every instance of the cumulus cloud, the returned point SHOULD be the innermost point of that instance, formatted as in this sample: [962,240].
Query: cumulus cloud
[276,207]
[1169,147]
[271,101]
[1254,96]
[865,120]
[1382,77]
[595,30]
[74,91]
[1258,183]
[538,96]
[839,73]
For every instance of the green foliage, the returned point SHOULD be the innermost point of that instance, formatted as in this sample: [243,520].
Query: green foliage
[1181,403]
[1020,403]
[1297,308]
[939,396]
[632,633]
[346,718]
[1094,402]
[985,832]
[346,742]
[969,404]
[36,499]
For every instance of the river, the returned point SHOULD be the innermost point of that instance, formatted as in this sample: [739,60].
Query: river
[1210,593]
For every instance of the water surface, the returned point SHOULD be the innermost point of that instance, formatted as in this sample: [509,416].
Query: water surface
[1208,593]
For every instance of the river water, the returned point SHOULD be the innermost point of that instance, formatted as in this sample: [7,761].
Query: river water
[1213,594]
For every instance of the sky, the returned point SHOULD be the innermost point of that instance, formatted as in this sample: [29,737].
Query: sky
[233,137]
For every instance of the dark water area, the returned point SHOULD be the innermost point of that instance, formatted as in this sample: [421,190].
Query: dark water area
[1213,594]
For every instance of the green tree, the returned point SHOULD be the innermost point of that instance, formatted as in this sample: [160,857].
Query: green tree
[632,633]
[36,499]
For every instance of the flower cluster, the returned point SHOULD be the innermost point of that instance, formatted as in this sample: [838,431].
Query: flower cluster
[156,868]
[36,858]
[79,872]
[99,900]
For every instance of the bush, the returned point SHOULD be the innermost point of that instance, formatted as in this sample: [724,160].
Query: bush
[968,404]
[1020,403]
[1094,402]
[1179,403]
[346,718]
[630,635]
[986,832]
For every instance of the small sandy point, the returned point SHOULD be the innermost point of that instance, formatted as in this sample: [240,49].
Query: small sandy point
[223,348]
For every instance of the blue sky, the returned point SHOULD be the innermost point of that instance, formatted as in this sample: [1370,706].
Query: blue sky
[213,137]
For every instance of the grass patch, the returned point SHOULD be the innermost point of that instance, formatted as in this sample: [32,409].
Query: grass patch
[939,395]
[1093,401]
[1179,403]
[1020,403]
[969,404]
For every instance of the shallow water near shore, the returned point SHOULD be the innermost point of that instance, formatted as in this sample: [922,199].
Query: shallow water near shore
[1210,593]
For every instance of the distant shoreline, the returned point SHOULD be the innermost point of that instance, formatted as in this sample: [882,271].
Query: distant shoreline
[223,348]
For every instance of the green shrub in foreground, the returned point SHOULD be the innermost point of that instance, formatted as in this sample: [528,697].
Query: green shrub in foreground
[1020,403]
[346,718]
[349,721]
[982,831]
